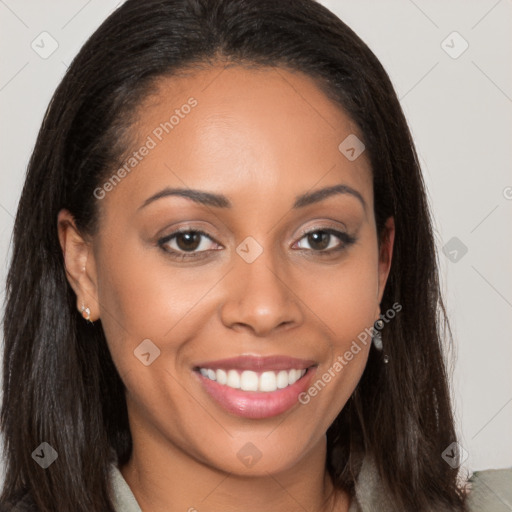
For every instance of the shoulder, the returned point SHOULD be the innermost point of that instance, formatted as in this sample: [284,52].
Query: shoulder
[22,502]
[490,491]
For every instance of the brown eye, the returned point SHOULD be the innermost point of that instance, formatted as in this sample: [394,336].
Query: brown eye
[323,241]
[191,241]
[188,241]
[319,240]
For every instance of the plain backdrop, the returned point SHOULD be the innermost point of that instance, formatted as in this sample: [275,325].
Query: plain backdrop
[450,63]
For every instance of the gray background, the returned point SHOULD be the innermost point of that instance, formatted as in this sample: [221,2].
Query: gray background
[459,107]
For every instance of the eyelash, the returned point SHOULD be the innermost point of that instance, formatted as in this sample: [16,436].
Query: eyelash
[345,238]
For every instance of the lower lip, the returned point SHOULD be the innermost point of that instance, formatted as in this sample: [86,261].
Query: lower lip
[256,404]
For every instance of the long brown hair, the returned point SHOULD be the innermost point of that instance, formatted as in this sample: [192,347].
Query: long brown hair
[60,385]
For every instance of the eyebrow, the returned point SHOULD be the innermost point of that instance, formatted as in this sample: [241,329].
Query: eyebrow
[221,201]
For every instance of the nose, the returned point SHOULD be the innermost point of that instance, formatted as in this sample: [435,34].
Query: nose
[259,297]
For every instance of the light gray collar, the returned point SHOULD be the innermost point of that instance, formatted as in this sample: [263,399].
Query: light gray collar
[124,500]
[371,493]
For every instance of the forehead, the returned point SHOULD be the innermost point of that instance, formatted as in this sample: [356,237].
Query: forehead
[245,132]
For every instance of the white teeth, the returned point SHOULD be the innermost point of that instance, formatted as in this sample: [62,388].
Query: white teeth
[251,381]
[268,381]
[282,379]
[222,376]
[233,379]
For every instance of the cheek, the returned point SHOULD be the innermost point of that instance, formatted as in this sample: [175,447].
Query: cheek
[346,301]
[345,296]
[141,295]
[151,307]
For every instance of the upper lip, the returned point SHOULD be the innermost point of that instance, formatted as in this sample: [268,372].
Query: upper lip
[255,363]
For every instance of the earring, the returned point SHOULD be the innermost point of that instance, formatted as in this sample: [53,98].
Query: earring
[377,339]
[86,312]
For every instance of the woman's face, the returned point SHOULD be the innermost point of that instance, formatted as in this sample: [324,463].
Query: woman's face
[278,287]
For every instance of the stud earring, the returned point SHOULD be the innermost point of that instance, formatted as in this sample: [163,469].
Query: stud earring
[86,312]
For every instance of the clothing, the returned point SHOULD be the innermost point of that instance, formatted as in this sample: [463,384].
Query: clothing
[491,491]
[124,500]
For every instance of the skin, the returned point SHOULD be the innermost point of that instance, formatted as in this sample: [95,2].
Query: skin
[261,138]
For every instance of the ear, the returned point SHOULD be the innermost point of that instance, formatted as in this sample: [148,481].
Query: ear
[385,255]
[79,263]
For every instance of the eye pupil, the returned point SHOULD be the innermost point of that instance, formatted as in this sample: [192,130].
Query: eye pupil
[319,237]
[192,240]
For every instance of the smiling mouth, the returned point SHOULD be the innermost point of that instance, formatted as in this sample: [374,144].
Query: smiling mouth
[256,387]
[248,380]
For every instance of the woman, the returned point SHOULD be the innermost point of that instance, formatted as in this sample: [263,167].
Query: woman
[223,287]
